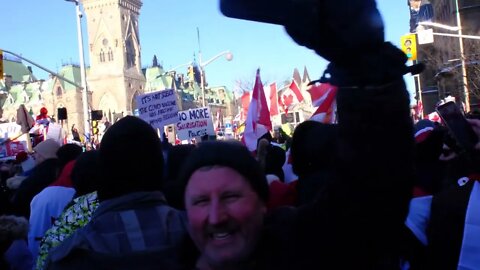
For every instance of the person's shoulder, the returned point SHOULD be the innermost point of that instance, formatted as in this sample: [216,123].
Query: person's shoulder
[77,240]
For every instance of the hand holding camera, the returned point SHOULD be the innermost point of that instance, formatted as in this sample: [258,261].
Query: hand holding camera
[337,30]
[348,33]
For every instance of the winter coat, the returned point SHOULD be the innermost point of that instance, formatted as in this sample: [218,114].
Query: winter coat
[42,176]
[114,239]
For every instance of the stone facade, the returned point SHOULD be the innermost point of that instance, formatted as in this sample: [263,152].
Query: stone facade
[115,76]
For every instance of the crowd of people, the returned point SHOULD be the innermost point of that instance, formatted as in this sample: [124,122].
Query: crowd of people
[374,191]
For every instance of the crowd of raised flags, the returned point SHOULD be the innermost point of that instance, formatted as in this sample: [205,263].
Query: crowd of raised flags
[260,108]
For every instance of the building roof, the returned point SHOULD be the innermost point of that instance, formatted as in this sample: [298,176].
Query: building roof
[71,72]
[18,71]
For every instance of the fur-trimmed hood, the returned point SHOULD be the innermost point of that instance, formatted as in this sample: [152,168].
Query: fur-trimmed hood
[14,182]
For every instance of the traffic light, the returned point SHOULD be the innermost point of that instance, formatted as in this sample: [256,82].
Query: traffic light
[1,64]
[409,46]
[95,127]
[190,73]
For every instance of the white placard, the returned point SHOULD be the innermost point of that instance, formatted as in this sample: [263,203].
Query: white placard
[55,132]
[158,108]
[194,123]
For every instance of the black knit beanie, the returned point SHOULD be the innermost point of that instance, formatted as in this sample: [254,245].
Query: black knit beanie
[228,154]
[131,159]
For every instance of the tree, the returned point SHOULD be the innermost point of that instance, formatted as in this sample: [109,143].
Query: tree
[444,67]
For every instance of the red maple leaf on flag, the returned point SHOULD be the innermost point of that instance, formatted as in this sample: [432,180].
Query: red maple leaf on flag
[287,100]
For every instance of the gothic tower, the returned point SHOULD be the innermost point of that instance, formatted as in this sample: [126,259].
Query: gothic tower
[115,76]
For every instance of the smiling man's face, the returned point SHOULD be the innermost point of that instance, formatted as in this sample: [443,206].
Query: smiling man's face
[225,215]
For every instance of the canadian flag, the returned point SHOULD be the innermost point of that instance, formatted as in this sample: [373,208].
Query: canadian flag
[434,117]
[258,118]
[273,100]
[291,96]
[217,122]
[419,110]
[323,95]
[245,103]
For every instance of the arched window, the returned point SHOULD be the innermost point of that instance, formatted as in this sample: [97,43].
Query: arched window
[130,51]
[102,56]
[110,54]
[59,91]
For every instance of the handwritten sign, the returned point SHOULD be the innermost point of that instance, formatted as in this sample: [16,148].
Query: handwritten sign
[194,123]
[10,130]
[158,108]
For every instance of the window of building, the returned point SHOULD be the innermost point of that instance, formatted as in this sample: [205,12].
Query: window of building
[110,54]
[59,91]
[130,51]
[102,56]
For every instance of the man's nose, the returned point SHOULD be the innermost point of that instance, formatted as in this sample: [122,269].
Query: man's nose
[217,213]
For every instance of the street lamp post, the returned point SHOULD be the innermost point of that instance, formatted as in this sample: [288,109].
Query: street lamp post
[83,74]
[228,56]
[462,57]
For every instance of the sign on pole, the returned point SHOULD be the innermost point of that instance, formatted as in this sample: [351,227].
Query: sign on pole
[158,108]
[194,123]
[425,36]
[409,46]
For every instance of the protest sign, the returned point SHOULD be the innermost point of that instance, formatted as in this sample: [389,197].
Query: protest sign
[194,123]
[11,143]
[158,108]
[10,130]
[55,132]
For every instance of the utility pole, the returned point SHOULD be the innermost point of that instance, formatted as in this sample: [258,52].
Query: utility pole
[462,58]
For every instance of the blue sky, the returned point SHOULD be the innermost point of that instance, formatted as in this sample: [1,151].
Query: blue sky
[45,32]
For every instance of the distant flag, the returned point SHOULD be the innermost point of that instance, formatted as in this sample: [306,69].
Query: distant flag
[217,122]
[419,110]
[258,118]
[273,99]
[290,97]
[245,104]
[323,95]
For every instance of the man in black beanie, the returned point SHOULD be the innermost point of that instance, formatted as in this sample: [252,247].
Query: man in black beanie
[355,222]
[133,228]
